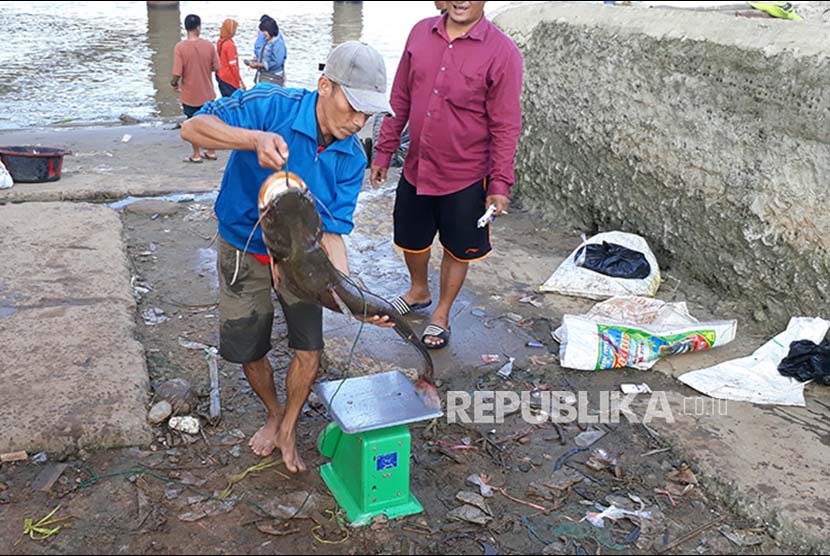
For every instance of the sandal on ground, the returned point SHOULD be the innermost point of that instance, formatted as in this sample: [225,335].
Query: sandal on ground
[193,160]
[400,304]
[210,156]
[436,331]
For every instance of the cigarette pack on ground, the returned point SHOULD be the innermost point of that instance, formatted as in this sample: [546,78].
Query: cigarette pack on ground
[590,345]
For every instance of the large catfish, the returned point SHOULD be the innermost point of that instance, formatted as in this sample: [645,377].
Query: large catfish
[292,230]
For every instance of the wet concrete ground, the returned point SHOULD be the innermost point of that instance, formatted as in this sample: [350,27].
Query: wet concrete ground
[141,500]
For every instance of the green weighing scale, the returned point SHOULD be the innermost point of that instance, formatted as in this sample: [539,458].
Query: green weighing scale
[369,444]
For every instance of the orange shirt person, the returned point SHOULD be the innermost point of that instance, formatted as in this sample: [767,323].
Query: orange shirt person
[228,75]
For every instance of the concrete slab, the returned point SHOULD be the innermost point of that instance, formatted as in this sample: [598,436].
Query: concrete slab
[73,374]
[102,167]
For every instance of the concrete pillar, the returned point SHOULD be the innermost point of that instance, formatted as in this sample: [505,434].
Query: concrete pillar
[164,30]
[164,5]
[346,22]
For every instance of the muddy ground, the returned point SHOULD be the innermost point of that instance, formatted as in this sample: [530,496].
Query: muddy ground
[157,498]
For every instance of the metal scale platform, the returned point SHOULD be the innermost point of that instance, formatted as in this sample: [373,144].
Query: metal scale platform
[369,444]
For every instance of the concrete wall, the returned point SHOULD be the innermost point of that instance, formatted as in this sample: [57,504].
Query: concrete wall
[706,133]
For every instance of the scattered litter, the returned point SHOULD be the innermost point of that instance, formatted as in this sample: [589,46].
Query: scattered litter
[48,476]
[13,456]
[189,425]
[189,344]
[153,316]
[126,138]
[635,388]
[742,538]
[781,10]
[159,412]
[489,549]
[490,358]
[583,531]
[40,458]
[41,530]
[262,465]
[481,481]
[507,369]
[604,339]
[470,514]
[587,438]
[513,317]
[600,460]
[613,513]
[807,361]
[190,517]
[277,528]
[473,499]
[565,476]
[572,278]
[522,502]
[530,300]
[173,493]
[683,475]
[542,360]
[478,313]
[756,378]
[532,344]
[6,180]
[297,505]
[215,412]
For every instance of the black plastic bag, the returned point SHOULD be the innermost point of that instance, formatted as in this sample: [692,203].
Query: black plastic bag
[613,260]
[807,361]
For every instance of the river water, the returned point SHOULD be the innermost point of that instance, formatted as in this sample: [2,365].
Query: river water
[90,62]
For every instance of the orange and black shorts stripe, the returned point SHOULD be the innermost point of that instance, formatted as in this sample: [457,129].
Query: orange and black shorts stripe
[454,217]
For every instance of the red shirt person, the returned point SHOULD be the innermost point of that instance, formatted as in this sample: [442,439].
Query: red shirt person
[458,85]
[228,76]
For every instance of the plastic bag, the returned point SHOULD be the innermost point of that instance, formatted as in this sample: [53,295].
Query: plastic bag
[637,311]
[589,345]
[807,361]
[6,180]
[614,260]
[573,279]
[756,378]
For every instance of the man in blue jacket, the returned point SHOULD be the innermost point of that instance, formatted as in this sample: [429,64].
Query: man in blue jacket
[262,126]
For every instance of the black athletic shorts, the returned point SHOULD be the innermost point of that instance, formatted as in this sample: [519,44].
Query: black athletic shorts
[454,217]
[190,111]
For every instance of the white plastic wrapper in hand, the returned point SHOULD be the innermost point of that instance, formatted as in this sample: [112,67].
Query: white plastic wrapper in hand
[756,378]
[588,345]
[571,279]
[636,310]
[6,180]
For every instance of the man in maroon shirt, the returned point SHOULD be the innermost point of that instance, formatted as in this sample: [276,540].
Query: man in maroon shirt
[458,85]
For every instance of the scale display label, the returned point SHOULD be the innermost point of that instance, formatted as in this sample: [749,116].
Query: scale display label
[387,461]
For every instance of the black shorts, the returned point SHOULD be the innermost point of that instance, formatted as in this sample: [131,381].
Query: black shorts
[246,310]
[225,88]
[454,217]
[190,111]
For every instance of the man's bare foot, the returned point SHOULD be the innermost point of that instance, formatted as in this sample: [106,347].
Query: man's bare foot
[287,444]
[264,441]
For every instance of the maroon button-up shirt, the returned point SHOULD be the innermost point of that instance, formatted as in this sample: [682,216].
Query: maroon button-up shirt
[461,99]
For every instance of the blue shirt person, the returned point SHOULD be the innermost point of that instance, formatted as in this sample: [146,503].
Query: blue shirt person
[263,126]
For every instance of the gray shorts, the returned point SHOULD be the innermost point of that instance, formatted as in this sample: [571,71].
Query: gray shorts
[246,310]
